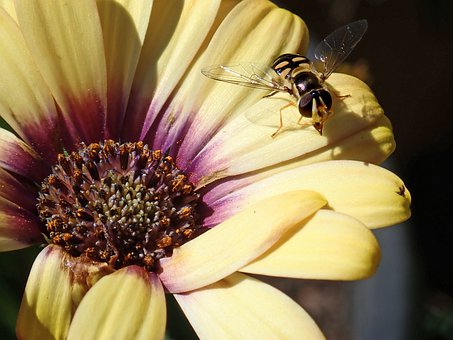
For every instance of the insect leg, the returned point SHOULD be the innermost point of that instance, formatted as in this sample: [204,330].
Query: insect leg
[270,94]
[281,118]
[299,122]
[338,96]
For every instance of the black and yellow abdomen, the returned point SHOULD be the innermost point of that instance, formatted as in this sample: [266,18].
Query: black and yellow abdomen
[285,64]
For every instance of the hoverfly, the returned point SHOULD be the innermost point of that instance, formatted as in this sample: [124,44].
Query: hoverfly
[296,74]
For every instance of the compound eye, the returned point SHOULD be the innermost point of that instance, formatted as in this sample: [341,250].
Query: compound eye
[305,103]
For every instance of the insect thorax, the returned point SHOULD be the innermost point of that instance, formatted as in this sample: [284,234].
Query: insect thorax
[306,81]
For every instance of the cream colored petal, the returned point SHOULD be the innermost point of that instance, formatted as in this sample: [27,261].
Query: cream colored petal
[245,144]
[240,307]
[45,311]
[128,304]
[65,39]
[56,284]
[371,145]
[8,6]
[329,246]
[19,228]
[25,101]
[18,157]
[17,191]
[356,107]
[254,31]
[124,24]
[237,241]
[369,193]
[174,119]
[174,36]
[54,288]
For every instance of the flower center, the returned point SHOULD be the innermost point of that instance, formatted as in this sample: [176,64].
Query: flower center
[123,204]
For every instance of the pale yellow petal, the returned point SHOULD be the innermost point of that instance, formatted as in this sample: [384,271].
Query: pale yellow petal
[114,13]
[216,102]
[19,228]
[329,246]
[25,100]
[174,36]
[240,307]
[237,241]
[18,157]
[369,193]
[8,6]
[65,39]
[56,284]
[124,24]
[45,311]
[128,304]
[371,145]
[246,144]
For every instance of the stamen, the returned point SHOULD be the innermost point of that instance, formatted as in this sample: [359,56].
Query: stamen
[123,204]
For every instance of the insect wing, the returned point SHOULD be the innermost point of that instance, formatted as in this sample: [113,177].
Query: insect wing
[336,47]
[245,74]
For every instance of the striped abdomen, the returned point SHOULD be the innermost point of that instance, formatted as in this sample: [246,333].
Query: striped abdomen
[286,63]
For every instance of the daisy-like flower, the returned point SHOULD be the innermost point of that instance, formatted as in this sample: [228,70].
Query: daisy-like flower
[143,178]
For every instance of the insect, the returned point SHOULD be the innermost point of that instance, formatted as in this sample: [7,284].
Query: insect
[296,74]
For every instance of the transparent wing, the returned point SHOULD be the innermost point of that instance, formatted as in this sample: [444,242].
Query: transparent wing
[335,48]
[246,74]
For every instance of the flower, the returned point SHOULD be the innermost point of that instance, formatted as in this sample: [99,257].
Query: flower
[143,178]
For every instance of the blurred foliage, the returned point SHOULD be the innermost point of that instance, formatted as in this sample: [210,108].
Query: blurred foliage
[438,318]
[178,327]
[14,269]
